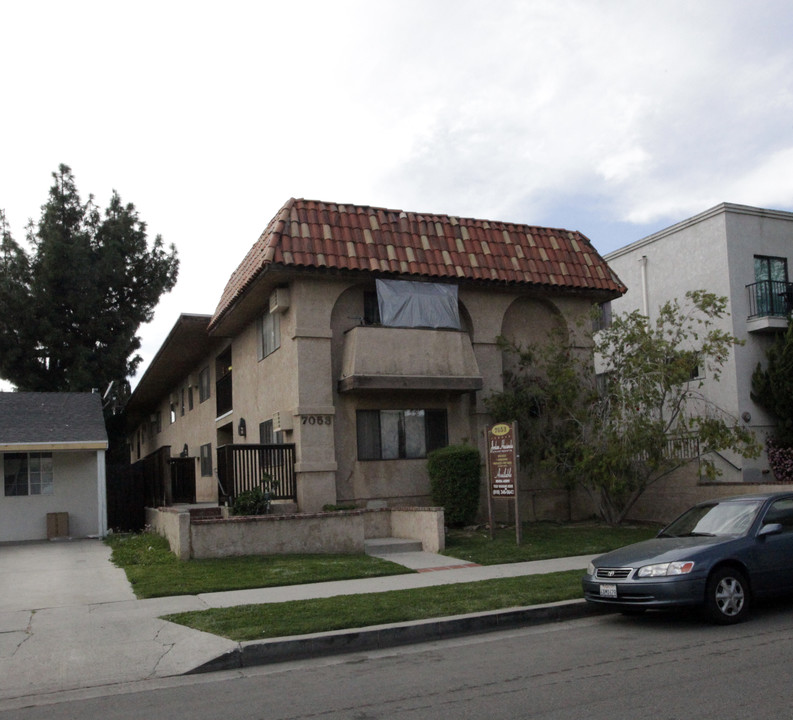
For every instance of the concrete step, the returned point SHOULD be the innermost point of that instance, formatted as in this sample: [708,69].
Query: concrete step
[386,546]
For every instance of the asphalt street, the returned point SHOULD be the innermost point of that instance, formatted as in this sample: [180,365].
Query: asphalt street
[659,667]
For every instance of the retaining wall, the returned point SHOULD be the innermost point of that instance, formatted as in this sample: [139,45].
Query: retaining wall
[334,532]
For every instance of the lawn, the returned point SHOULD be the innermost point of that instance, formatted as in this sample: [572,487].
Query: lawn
[154,571]
[299,617]
[542,540]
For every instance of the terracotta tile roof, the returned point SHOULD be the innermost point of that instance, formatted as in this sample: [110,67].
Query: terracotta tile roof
[311,234]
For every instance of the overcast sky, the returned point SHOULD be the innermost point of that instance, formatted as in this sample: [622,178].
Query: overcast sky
[615,118]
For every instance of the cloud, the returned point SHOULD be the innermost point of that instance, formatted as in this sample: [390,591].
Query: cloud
[609,116]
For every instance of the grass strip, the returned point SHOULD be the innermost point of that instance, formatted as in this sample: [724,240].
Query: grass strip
[300,617]
[154,571]
[542,540]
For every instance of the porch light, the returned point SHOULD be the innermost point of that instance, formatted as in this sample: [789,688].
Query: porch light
[242,429]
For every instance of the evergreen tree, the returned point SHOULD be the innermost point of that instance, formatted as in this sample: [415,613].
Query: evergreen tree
[70,311]
[772,387]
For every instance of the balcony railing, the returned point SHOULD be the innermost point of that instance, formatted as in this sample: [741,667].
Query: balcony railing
[770,298]
[245,467]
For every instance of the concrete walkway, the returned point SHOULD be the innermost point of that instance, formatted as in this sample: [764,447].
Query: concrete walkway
[69,618]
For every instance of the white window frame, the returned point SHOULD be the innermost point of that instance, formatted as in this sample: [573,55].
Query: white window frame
[268,329]
[39,479]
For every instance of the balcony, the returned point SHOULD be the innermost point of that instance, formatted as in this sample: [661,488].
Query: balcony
[389,358]
[770,303]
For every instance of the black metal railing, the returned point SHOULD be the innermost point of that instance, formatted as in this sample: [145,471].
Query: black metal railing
[223,395]
[155,471]
[769,298]
[245,467]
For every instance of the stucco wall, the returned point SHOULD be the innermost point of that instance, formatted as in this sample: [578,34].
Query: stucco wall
[713,251]
[74,491]
[338,532]
[300,382]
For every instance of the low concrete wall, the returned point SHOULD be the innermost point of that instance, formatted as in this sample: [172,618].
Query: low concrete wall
[174,525]
[425,524]
[334,532]
[277,535]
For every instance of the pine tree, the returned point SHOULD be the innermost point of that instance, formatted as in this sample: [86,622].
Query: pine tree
[70,311]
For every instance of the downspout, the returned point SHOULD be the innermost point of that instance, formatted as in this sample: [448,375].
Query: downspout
[645,294]
[101,487]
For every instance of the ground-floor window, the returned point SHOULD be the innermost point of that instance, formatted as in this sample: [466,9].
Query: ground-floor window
[206,460]
[400,434]
[27,473]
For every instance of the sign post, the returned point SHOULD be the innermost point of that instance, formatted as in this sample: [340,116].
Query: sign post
[502,470]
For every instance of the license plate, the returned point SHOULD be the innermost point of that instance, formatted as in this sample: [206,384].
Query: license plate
[608,591]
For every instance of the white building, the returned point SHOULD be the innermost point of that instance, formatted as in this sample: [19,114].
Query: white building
[735,251]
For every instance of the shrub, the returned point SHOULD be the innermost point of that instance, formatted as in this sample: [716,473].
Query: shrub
[781,461]
[253,502]
[454,480]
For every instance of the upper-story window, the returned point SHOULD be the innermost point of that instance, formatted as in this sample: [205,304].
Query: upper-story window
[269,333]
[602,318]
[771,288]
[405,303]
[371,310]
[204,385]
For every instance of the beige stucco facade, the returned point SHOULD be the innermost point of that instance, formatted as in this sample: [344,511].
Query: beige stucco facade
[328,366]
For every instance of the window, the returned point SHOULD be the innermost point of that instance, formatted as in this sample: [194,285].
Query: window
[269,333]
[267,436]
[182,401]
[172,409]
[27,473]
[602,318]
[206,460]
[190,397]
[771,285]
[781,512]
[400,434]
[371,309]
[204,386]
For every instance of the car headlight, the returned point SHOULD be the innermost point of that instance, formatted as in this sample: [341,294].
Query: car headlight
[591,569]
[681,567]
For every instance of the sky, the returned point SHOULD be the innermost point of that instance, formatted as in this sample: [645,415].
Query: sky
[616,118]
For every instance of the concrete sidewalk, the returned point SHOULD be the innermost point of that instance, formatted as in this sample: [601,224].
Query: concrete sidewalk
[69,618]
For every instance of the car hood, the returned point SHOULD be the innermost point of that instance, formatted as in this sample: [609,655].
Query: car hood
[660,550]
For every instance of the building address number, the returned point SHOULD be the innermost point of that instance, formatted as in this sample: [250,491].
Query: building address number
[317,419]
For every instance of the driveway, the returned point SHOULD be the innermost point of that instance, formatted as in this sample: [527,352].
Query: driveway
[69,619]
[39,575]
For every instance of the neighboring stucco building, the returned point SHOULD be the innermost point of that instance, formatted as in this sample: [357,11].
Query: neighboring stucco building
[735,251]
[52,458]
[362,337]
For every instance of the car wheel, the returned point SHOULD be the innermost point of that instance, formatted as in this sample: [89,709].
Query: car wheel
[727,596]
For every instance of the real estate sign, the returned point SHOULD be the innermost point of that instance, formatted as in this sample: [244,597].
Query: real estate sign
[502,468]
[501,460]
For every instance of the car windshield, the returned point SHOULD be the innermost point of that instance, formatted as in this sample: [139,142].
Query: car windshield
[715,519]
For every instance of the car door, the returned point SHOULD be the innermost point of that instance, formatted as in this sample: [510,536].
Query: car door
[773,557]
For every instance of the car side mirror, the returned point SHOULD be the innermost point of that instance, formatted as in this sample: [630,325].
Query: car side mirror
[770,529]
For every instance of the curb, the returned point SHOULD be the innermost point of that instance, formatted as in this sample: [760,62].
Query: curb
[264,652]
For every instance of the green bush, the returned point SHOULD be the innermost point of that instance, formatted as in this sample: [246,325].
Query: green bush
[454,480]
[251,502]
